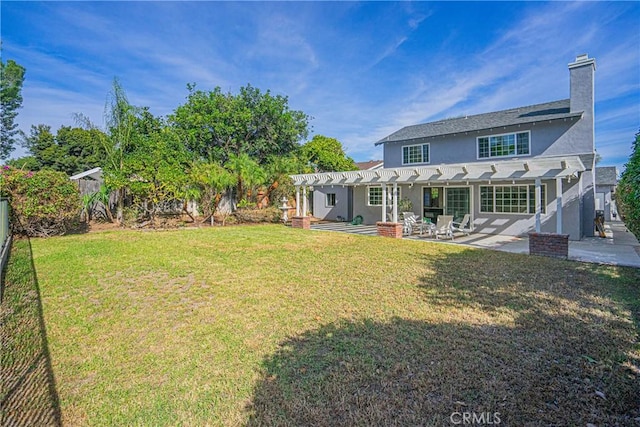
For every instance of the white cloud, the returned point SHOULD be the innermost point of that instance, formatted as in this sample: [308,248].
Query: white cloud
[526,65]
[364,70]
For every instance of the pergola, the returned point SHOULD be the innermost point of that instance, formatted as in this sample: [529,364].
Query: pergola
[530,169]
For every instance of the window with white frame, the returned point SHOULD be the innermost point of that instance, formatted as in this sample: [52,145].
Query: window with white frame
[505,145]
[374,195]
[519,199]
[412,154]
[331,200]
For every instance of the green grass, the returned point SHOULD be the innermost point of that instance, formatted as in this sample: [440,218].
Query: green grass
[266,325]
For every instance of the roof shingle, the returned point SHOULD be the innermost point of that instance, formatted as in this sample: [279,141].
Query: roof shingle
[606,175]
[533,113]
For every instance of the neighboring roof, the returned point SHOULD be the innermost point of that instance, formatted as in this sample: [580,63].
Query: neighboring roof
[506,170]
[533,113]
[95,173]
[606,175]
[370,165]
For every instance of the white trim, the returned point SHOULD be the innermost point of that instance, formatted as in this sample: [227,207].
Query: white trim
[559,206]
[444,197]
[514,169]
[395,190]
[305,198]
[384,203]
[389,193]
[502,157]
[326,200]
[471,207]
[90,173]
[543,203]
[538,203]
[422,154]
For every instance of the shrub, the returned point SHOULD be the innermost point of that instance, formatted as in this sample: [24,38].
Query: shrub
[628,191]
[405,205]
[44,203]
[270,214]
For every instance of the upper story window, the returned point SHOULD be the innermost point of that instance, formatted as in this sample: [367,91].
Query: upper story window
[506,145]
[412,154]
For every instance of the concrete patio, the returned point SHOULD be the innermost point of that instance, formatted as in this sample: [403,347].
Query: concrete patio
[620,247]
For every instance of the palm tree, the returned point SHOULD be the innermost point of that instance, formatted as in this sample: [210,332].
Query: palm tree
[120,119]
[248,174]
[278,170]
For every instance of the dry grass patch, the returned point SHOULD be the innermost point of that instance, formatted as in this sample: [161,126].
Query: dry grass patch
[267,325]
[27,386]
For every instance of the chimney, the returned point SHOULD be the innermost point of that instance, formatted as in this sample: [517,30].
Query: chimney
[581,74]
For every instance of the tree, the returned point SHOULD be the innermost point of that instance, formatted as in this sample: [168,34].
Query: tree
[209,180]
[41,143]
[324,154]
[628,190]
[278,170]
[120,118]
[248,174]
[71,150]
[155,165]
[28,163]
[11,79]
[216,125]
[81,149]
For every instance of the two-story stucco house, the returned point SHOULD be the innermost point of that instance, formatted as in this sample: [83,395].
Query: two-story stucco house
[524,169]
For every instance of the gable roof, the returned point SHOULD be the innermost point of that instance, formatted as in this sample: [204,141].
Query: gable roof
[606,175]
[371,164]
[554,110]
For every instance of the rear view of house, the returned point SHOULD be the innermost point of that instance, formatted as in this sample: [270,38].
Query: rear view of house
[513,171]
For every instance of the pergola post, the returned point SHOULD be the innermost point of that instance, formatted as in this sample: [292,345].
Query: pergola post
[297,201]
[395,202]
[559,205]
[538,196]
[384,202]
[304,201]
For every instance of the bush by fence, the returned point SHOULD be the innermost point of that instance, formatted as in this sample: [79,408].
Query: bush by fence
[628,191]
[256,216]
[44,203]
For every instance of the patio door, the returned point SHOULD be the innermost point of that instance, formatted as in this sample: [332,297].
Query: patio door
[432,202]
[458,202]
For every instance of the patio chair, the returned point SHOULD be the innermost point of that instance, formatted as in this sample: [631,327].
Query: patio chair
[409,222]
[464,226]
[443,226]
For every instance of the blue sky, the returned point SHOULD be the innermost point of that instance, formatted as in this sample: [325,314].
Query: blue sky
[361,70]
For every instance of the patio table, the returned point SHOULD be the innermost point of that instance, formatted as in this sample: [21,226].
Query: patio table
[427,226]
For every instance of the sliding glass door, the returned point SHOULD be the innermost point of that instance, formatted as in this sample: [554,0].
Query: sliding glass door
[458,202]
[432,203]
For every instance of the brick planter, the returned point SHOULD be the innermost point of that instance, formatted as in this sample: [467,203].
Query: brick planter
[301,222]
[549,244]
[389,229]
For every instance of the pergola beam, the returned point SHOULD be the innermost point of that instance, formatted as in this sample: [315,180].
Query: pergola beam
[546,168]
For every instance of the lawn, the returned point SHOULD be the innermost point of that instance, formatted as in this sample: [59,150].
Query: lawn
[267,325]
